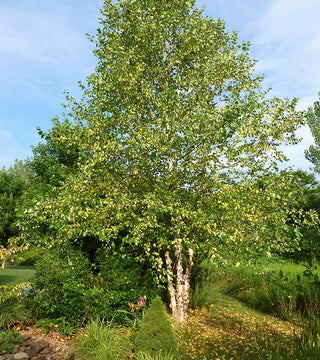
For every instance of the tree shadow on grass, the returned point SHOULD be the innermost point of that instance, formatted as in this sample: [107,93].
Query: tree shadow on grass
[12,275]
[8,279]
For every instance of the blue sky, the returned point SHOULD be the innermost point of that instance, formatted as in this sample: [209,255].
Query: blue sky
[44,51]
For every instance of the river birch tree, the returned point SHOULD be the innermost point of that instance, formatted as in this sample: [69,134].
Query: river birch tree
[173,120]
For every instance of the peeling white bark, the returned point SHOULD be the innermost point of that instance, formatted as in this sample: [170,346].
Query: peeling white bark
[179,285]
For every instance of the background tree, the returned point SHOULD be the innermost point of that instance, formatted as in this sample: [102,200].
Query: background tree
[13,182]
[263,212]
[313,154]
[309,201]
[172,121]
[53,160]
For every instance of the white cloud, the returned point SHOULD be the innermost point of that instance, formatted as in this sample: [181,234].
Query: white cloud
[287,41]
[43,44]
[296,153]
[38,37]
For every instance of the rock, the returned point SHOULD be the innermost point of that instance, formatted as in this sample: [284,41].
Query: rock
[25,336]
[16,349]
[28,351]
[8,357]
[21,356]
[46,351]
[32,348]
[37,347]
[24,349]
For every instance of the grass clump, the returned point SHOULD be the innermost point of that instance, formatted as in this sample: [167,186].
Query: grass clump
[281,288]
[11,307]
[155,336]
[146,356]
[303,345]
[100,341]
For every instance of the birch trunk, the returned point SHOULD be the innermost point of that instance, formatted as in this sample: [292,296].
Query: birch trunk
[179,283]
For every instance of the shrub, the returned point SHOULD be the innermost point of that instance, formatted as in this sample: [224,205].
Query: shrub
[61,279]
[100,341]
[125,274]
[112,306]
[123,282]
[65,293]
[156,335]
[28,257]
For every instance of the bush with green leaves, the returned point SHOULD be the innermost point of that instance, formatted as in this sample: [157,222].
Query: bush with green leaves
[59,284]
[113,305]
[66,292]
[9,338]
[101,341]
[123,272]
[124,281]
[155,335]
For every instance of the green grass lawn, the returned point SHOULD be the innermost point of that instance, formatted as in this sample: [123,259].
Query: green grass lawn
[12,275]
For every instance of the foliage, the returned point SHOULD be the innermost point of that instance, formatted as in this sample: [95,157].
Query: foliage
[59,284]
[53,160]
[271,216]
[8,339]
[146,356]
[64,291]
[28,256]
[307,200]
[156,335]
[100,341]
[126,272]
